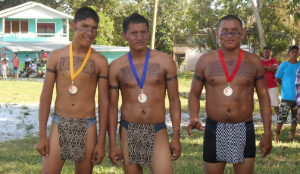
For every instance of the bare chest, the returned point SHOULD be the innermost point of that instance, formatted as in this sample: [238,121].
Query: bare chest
[215,73]
[154,75]
[88,72]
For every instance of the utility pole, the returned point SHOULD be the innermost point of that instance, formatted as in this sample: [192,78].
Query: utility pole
[153,25]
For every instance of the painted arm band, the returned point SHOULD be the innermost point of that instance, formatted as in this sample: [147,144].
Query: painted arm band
[260,77]
[113,87]
[103,77]
[199,78]
[171,78]
[50,70]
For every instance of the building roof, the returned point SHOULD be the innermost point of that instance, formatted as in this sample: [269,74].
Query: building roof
[33,10]
[38,46]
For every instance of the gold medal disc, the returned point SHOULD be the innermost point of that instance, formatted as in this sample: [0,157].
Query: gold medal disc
[228,91]
[73,89]
[142,98]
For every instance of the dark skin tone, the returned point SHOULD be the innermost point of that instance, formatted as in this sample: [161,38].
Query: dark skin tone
[161,76]
[80,105]
[267,56]
[239,106]
[293,55]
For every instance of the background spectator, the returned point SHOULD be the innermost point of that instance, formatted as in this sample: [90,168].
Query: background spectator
[15,61]
[286,77]
[27,61]
[270,67]
[31,68]
[6,58]
[44,57]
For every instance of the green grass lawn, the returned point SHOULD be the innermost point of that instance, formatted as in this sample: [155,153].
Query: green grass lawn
[20,156]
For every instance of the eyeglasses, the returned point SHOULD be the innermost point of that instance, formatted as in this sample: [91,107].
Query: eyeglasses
[228,33]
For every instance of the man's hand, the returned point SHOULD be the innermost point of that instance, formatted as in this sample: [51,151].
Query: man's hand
[194,125]
[115,155]
[43,146]
[98,154]
[175,148]
[265,146]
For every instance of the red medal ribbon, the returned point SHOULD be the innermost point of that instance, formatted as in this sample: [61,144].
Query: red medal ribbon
[236,67]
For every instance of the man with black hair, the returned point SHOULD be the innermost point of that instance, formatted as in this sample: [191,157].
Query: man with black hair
[44,57]
[76,70]
[270,66]
[27,61]
[143,76]
[230,75]
[286,77]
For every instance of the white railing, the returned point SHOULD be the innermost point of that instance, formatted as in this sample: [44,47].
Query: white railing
[30,35]
[51,35]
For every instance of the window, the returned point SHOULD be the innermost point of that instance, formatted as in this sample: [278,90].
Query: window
[24,26]
[7,26]
[46,28]
[16,26]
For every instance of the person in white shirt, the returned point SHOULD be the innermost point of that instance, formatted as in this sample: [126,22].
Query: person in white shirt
[31,68]
[27,61]
[6,60]
[4,68]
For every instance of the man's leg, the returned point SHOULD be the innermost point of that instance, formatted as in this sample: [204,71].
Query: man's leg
[162,159]
[247,167]
[214,168]
[276,108]
[53,164]
[283,113]
[133,168]
[86,166]
[294,122]
[7,73]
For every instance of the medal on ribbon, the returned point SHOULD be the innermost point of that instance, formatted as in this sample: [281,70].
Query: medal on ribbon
[73,89]
[228,90]
[142,98]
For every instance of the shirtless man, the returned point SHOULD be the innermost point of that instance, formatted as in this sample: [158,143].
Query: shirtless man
[229,104]
[75,102]
[143,104]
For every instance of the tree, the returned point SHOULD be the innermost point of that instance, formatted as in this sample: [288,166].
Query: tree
[258,22]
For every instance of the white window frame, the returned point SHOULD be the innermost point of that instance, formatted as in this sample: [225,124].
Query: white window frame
[37,34]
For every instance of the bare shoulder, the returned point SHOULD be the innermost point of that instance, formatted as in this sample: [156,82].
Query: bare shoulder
[252,57]
[207,57]
[116,64]
[160,55]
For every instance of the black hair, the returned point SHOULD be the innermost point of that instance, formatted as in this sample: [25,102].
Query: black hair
[42,50]
[26,55]
[267,48]
[84,13]
[134,18]
[230,18]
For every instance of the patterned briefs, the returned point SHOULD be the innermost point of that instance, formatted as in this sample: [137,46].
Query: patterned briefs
[72,136]
[228,142]
[141,139]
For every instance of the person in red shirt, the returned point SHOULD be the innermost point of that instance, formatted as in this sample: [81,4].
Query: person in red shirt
[44,56]
[270,66]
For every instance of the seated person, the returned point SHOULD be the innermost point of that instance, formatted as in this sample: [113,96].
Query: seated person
[41,71]
[44,57]
[27,61]
[31,68]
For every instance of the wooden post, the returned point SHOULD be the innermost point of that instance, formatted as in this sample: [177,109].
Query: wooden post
[152,43]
